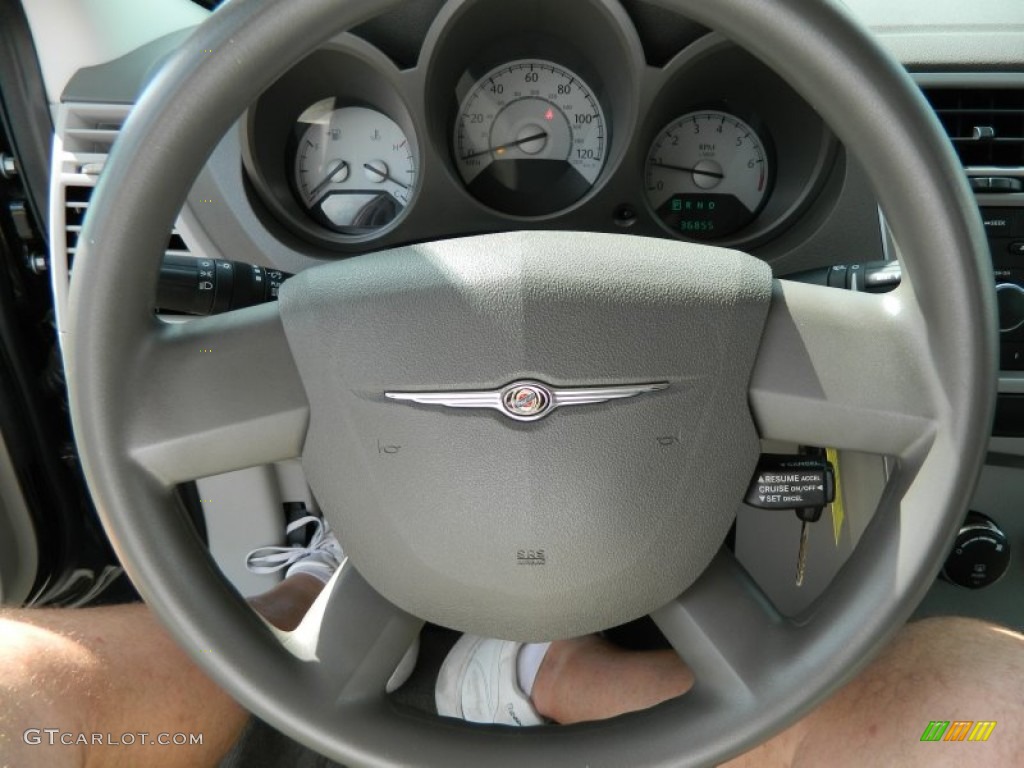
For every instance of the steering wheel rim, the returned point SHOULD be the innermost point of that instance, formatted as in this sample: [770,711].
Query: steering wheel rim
[931,370]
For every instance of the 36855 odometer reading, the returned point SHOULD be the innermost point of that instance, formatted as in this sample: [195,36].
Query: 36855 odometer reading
[707,175]
[530,138]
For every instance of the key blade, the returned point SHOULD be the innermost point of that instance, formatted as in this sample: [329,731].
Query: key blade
[801,555]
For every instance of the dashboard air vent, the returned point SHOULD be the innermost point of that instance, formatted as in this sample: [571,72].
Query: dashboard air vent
[84,137]
[986,125]
[76,203]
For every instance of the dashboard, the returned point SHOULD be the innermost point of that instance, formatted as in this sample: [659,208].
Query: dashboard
[431,122]
[534,115]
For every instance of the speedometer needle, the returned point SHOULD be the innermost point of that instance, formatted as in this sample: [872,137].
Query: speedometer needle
[510,145]
[689,170]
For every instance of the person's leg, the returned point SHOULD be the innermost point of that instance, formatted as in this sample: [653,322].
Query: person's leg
[115,670]
[945,669]
[573,683]
[937,669]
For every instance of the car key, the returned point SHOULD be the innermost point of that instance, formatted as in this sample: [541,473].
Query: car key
[804,483]
[807,515]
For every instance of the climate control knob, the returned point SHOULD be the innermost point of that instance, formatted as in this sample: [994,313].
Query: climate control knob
[980,555]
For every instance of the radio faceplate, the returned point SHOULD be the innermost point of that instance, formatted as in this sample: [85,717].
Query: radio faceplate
[1005,229]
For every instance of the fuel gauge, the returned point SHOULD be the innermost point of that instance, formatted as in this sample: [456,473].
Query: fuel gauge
[355,169]
[707,175]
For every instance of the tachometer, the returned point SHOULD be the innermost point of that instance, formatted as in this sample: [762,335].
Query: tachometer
[707,175]
[355,170]
[530,138]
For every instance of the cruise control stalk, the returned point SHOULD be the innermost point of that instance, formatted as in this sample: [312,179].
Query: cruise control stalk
[870,277]
[805,483]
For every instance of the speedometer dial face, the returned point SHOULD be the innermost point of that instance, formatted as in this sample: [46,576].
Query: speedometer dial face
[354,169]
[530,138]
[707,175]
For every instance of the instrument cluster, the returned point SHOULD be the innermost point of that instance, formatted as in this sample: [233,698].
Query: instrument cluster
[539,115]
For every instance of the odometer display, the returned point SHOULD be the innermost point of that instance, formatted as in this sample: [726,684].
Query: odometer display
[707,175]
[530,138]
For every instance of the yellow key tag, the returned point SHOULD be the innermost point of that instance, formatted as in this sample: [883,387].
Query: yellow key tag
[838,513]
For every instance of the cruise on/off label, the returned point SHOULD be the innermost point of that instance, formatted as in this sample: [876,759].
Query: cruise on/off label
[791,482]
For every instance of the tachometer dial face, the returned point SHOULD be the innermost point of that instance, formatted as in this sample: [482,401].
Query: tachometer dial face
[707,175]
[530,138]
[355,170]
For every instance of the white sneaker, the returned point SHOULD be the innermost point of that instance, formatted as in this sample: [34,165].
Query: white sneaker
[479,682]
[320,558]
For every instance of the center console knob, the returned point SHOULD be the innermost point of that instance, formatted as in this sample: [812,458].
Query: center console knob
[1010,298]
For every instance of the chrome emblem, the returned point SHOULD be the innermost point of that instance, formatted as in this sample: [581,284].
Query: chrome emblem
[527,400]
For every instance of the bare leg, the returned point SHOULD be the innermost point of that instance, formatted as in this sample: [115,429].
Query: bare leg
[574,681]
[115,670]
[938,669]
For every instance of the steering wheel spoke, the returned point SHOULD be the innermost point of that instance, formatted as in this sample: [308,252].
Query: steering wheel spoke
[217,394]
[355,636]
[842,369]
[724,628]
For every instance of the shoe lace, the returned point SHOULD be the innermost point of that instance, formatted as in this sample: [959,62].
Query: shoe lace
[275,558]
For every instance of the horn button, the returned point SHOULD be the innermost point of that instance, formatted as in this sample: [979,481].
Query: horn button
[508,515]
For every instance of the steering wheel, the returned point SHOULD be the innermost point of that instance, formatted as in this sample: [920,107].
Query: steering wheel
[631,522]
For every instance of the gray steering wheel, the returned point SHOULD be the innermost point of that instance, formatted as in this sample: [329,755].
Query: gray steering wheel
[630,523]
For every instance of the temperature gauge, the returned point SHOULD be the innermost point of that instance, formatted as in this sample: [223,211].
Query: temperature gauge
[707,175]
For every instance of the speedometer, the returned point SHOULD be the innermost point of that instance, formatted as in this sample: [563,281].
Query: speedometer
[530,138]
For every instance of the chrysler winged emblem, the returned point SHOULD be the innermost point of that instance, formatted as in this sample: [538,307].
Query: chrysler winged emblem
[527,400]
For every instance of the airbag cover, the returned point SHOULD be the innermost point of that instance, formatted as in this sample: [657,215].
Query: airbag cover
[590,517]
